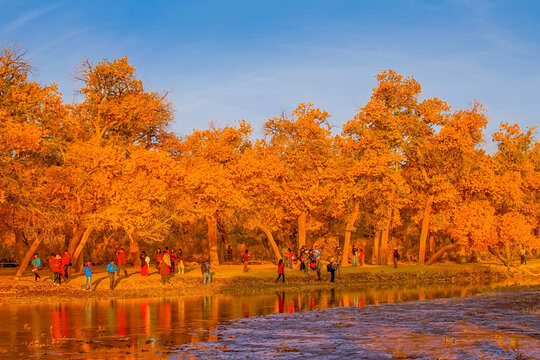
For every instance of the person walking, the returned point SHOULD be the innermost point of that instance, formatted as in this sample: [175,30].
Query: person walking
[55,267]
[144,264]
[206,270]
[88,273]
[395,257]
[111,270]
[354,256]
[291,258]
[180,258]
[522,257]
[173,262]
[51,260]
[65,263]
[164,271]
[245,257]
[36,266]
[331,268]
[121,261]
[159,256]
[281,270]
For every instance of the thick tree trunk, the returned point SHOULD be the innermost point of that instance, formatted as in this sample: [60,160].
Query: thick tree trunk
[76,259]
[376,242]
[425,228]
[28,256]
[383,254]
[134,251]
[20,241]
[302,230]
[440,253]
[431,245]
[212,240]
[272,242]
[348,232]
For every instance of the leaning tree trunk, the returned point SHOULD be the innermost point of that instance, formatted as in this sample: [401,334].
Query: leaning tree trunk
[302,229]
[425,228]
[29,253]
[75,240]
[348,232]
[440,253]
[76,259]
[376,241]
[272,242]
[20,241]
[493,252]
[212,240]
[134,250]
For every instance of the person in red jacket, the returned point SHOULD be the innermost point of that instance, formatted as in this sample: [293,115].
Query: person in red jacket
[159,256]
[121,261]
[65,262]
[245,257]
[281,270]
[164,271]
[51,259]
[56,265]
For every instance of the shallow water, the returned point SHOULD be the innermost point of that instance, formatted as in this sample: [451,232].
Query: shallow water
[155,328]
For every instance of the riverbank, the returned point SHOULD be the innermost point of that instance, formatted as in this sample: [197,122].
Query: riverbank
[503,325]
[230,279]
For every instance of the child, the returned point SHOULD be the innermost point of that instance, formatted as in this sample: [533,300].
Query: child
[88,272]
[36,266]
[111,269]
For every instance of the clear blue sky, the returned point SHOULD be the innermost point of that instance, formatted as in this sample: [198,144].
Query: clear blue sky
[226,60]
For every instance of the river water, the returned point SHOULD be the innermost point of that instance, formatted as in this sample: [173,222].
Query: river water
[155,328]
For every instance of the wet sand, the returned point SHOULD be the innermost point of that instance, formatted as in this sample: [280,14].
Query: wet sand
[503,325]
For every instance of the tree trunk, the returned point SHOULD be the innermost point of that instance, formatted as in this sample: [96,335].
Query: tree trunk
[20,245]
[348,232]
[431,245]
[376,242]
[425,228]
[76,259]
[28,256]
[440,253]
[134,251]
[272,242]
[212,241]
[302,229]
[502,260]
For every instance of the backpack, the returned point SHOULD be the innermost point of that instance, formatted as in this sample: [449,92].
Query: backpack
[397,256]
[329,267]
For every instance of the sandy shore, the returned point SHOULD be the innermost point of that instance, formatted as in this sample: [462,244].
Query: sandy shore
[231,279]
[503,325]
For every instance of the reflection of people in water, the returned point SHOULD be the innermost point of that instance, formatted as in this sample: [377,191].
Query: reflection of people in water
[281,301]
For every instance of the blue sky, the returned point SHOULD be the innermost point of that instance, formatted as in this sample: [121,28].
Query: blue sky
[222,61]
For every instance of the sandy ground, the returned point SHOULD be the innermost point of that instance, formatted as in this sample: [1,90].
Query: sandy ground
[231,279]
[503,325]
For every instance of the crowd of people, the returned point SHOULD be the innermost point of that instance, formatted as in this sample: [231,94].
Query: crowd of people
[169,262]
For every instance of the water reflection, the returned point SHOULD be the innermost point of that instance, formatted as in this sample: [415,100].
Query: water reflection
[150,328]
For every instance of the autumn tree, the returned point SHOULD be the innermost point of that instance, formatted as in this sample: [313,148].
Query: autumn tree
[304,144]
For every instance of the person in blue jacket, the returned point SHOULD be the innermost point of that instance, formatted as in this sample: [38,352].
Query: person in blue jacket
[88,272]
[36,266]
[111,270]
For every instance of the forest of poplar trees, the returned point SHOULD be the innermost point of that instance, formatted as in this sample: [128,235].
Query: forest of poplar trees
[406,171]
